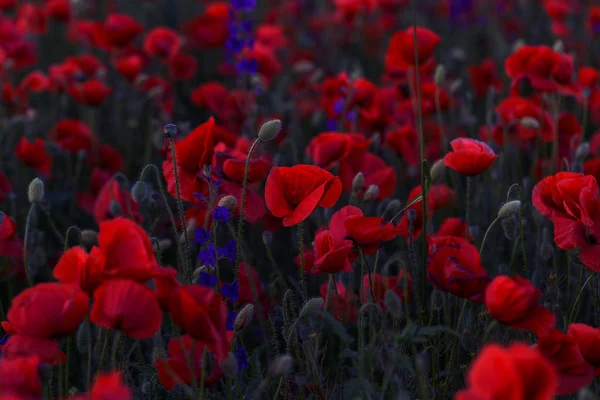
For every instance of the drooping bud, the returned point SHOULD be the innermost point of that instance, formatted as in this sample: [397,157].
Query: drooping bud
[509,209]
[530,123]
[437,170]
[170,131]
[139,192]
[440,75]
[393,303]
[282,366]
[269,130]
[583,150]
[371,193]
[229,202]
[244,318]
[392,208]
[35,192]
[311,307]
[89,238]
[267,238]
[358,182]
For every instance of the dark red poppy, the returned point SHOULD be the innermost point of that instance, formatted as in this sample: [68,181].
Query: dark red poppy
[342,303]
[31,19]
[381,284]
[128,306]
[119,30]
[182,67]
[210,29]
[309,261]
[439,196]
[10,244]
[515,302]
[34,82]
[111,191]
[107,159]
[47,349]
[59,10]
[107,385]
[483,77]
[176,369]
[329,148]
[20,378]
[588,77]
[588,342]
[562,351]
[248,284]
[48,310]
[192,153]
[5,186]
[453,227]
[405,142]
[72,135]
[7,5]
[593,20]
[515,373]
[331,256]
[34,155]
[129,253]
[89,64]
[162,42]
[295,192]
[232,162]
[85,271]
[454,266]
[512,111]
[230,107]
[254,208]
[369,232]
[129,66]
[90,93]
[401,50]
[200,312]
[469,157]
[375,172]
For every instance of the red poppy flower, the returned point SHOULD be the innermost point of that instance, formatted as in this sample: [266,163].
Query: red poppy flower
[209,30]
[72,135]
[85,271]
[248,284]
[342,305]
[111,191]
[295,192]
[309,261]
[588,342]
[232,162]
[518,372]
[515,302]
[91,93]
[588,77]
[438,196]
[271,36]
[454,266]
[483,77]
[10,244]
[562,351]
[192,153]
[381,284]
[48,310]
[331,257]
[89,64]
[107,385]
[5,186]
[128,306]
[401,50]
[119,30]
[176,368]
[200,312]
[162,42]
[31,19]
[405,142]
[469,157]
[511,112]
[129,66]
[453,227]
[254,208]
[46,349]
[369,232]
[182,67]
[129,253]
[106,158]
[329,148]
[34,155]
[34,82]
[230,107]
[60,10]
[20,378]
[375,171]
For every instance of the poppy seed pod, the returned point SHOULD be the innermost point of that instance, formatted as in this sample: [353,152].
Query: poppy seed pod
[530,123]
[139,192]
[371,193]
[282,366]
[115,208]
[509,209]
[244,318]
[269,130]
[440,75]
[35,192]
[358,182]
[311,307]
[170,131]
[229,202]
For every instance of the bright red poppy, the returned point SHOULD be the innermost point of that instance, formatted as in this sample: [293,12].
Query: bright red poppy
[331,256]
[20,378]
[453,227]
[518,372]
[129,66]
[293,193]
[401,50]
[469,156]
[85,271]
[330,148]
[369,232]
[515,302]
[128,306]
[118,30]
[588,342]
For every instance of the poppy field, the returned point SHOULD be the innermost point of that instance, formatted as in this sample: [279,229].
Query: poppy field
[299,199]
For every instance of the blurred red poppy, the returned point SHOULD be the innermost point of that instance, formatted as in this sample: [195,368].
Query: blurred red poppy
[469,157]
[47,349]
[20,378]
[10,244]
[85,271]
[128,306]
[59,10]
[162,42]
[342,303]
[118,30]
[483,77]
[107,385]
[295,192]
[111,191]
[588,342]
[403,287]
[453,227]
[34,155]
[329,148]
[375,172]
[401,50]
[183,67]
[129,66]
[91,93]
[72,135]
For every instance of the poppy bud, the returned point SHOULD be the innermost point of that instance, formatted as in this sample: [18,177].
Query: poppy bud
[440,75]
[559,46]
[371,193]
[530,123]
[392,208]
[229,202]
[509,209]
[36,191]
[170,131]
[244,318]
[358,182]
[230,366]
[282,366]
[269,130]
[393,304]
[311,307]
[455,85]
[139,192]
[267,238]
[518,44]
[437,170]
[376,142]
[583,150]
[89,238]
[115,208]
[411,215]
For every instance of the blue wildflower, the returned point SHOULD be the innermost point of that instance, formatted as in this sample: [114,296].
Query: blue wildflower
[231,291]
[231,316]
[200,197]
[241,357]
[221,214]
[229,250]
[201,236]
[4,339]
[207,256]
[243,5]
[208,280]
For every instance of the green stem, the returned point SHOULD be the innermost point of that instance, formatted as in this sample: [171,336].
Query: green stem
[25,242]
[104,346]
[302,272]
[486,234]
[579,297]
[186,258]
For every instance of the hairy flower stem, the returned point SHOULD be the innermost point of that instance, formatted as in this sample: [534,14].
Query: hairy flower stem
[468,207]
[572,314]
[362,274]
[302,272]
[185,252]
[26,242]
[242,205]
[486,234]
[104,346]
